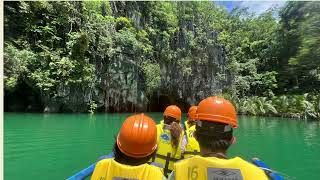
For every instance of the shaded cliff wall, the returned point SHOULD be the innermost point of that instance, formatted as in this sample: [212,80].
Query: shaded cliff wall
[142,57]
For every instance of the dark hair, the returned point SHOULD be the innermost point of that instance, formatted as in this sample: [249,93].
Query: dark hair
[214,136]
[168,120]
[121,158]
[175,131]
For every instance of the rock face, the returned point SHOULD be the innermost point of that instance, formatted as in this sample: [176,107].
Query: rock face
[119,84]
[204,80]
[184,81]
[121,88]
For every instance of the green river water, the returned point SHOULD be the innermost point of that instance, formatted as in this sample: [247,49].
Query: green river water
[55,146]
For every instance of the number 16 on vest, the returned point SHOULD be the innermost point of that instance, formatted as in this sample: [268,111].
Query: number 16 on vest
[193,173]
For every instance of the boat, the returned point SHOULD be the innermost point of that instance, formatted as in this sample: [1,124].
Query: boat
[89,170]
[273,175]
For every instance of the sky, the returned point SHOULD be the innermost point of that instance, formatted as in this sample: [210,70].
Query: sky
[256,7]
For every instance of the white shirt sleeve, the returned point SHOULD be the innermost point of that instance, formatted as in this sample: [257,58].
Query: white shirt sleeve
[184,143]
[171,176]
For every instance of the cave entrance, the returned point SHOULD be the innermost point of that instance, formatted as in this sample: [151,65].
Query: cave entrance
[159,103]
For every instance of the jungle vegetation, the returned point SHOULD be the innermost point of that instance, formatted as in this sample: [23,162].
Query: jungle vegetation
[122,56]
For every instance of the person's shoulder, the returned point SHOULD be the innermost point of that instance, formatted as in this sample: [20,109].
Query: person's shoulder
[156,164]
[160,124]
[156,168]
[247,166]
[187,160]
[191,129]
[242,161]
[111,155]
[102,165]
[104,161]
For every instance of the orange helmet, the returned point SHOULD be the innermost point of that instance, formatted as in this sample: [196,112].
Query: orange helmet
[173,111]
[192,113]
[217,109]
[138,136]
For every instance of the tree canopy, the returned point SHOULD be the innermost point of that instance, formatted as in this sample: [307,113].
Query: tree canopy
[122,56]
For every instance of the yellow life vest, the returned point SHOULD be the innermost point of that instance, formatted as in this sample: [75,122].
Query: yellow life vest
[165,146]
[192,147]
[186,125]
[109,169]
[202,168]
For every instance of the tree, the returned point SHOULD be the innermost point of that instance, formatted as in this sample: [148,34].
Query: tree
[299,38]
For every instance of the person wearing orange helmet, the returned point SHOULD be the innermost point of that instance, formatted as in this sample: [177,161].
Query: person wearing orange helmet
[171,142]
[192,147]
[216,118]
[136,143]
[191,117]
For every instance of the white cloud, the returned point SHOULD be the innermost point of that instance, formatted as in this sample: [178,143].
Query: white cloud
[259,7]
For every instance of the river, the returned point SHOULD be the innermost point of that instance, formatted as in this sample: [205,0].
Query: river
[55,146]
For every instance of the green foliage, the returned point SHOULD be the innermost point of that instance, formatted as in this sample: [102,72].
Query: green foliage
[152,77]
[255,106]
[299,39]
[100,7]
[251,45]
[78,43]
[16,64]
[294,106]
[298,106]
[122,22]
[92,107]
[186,66]
[47,53]
[80,53]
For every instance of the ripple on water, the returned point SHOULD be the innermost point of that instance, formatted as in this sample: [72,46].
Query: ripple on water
[58,145]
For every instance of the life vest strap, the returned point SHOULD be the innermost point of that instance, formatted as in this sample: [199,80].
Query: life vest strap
[166,157]
[153,158]
[166,166]
[195,152]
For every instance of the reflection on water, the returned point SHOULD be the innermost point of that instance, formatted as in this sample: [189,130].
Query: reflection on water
[282,143]
[58,145]
[310,134]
